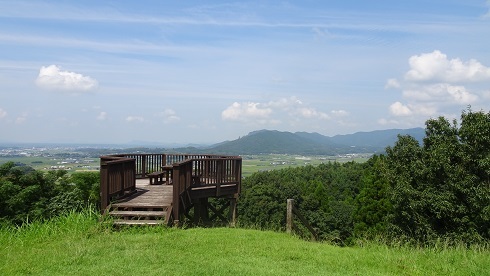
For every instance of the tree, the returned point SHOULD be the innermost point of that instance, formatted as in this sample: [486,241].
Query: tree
[441,190]
[373,205]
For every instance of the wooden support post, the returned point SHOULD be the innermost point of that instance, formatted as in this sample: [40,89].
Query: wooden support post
[289,216]
[232,213]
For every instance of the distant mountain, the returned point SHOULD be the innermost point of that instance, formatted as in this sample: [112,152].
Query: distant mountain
[303,143]
[377,138]
[271,141]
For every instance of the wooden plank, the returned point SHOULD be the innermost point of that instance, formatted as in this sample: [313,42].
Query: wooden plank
[139,222]
[138,213]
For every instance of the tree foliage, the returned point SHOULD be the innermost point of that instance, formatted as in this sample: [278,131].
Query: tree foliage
[324,194]
[442,189]
[27,194]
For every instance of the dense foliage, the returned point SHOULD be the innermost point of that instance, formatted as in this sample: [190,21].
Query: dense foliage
[437,190]
[325,194]
[27,194]
[442,188]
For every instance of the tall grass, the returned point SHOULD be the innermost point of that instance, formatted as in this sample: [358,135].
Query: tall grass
[79,244]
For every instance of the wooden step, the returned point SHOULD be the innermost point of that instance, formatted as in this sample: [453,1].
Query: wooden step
[139,214]
[138,222]
[138,205]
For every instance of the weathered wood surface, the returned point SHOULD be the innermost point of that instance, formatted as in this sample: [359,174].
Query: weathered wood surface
[147,196]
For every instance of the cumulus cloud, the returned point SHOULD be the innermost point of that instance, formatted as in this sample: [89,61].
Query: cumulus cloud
[285,108]
[245,111]
[436,66]
[53,78]
[3,113]
[399,109]
[169,116]
[441,92]
[435,84]
[134,119]
[309,112]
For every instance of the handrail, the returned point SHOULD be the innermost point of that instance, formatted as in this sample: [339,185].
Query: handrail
[212,171]
[117,177]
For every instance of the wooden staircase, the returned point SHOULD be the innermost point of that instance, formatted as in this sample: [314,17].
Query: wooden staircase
[149,205]
[125,214]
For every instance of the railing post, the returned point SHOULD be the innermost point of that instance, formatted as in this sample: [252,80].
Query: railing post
[143,165]
[104,192]
[176,193]
[289,216]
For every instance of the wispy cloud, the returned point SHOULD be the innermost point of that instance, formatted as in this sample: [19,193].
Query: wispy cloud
[102,116]
[132,119]
[3,113]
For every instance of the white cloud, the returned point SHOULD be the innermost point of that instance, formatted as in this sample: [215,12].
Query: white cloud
[262,113]
[435,85]
[290,110]
[309,113]
[51,77]
[3,113]
[286,103]
[102,116]
[437,67]
[169,116]
[441,92]
[392,83]
[339,113]
[399,109]
[135,119]
[21,119]
[245,111]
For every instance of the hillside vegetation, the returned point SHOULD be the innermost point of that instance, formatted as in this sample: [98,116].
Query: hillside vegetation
[77,244]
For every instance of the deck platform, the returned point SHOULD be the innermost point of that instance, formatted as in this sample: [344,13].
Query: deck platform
[128,196]
[147,196]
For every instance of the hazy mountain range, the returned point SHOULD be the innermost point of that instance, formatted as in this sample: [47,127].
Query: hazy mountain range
[262,142]
[303,143]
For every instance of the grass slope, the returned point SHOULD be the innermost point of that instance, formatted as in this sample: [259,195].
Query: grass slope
[78,244]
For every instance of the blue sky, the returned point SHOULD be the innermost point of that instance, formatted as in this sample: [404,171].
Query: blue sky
[209,71]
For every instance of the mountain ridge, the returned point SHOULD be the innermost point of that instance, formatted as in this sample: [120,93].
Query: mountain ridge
[305,143]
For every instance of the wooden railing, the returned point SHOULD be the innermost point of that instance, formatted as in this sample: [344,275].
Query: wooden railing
[209,172]
[117,178]
[221,173]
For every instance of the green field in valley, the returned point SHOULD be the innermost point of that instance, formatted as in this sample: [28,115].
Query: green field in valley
[71,161]
[267,162]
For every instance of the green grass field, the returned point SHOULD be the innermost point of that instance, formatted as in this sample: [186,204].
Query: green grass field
[267,162]
[251,163]
[79,245]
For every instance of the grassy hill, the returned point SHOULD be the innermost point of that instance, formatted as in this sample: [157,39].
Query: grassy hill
[79,245]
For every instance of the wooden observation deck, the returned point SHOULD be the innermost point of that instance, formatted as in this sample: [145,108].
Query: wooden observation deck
[181,183]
